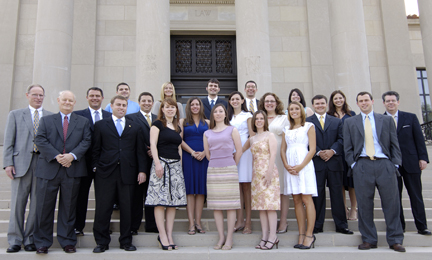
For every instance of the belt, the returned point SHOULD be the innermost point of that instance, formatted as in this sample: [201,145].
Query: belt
[373,158]
[33,152]
[167,165]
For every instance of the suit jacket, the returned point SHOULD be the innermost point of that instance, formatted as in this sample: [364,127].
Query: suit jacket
[328,138]
[19,139]
[49,140]
[353,133]
[411,142]
[86,113]
[207,107]
[110,150]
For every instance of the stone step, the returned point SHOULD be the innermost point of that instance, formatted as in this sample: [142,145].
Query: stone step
[208,253]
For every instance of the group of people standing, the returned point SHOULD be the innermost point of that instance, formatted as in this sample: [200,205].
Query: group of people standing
[241,155]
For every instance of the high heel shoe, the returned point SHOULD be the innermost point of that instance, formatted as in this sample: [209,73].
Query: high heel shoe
[283,230]
[259,244]
[312,245]
[275,243]
[169,248]
[174,246]
[298,245]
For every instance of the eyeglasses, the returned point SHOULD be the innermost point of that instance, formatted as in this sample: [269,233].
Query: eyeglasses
[37,96]
[270,101]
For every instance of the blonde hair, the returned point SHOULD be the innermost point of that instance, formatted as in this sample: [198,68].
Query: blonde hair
[163,93]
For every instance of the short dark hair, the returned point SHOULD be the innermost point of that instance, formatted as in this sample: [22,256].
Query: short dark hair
[96,89]
[34,85]
[251,81]
[362,94]
[316,97]
[118,97]
[214,81]
[145,94]
[390,93]
[122,83]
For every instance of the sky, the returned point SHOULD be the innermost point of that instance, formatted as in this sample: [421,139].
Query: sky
[411,7]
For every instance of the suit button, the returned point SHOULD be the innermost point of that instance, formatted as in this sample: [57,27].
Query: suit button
[118,163]
[120,150]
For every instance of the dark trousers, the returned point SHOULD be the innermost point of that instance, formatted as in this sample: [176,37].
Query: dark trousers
[45,206]
[382,175]
[106,191]
[413,185]
[137,209]
[82,202]
[334,181]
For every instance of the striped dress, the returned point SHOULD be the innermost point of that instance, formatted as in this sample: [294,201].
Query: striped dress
[223,191]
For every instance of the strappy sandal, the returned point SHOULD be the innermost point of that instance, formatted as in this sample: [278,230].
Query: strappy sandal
[192,230]
[259,245]
[198,228]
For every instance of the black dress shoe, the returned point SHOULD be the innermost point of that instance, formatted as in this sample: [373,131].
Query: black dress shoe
[79,232]
[42,250]
[317,230]
[366,246]
[30,248]
[152,230]
[116,207]
[13,249]
[398,248]
[345,231]
[424,232]
[100,248]
[134,232]
[128,247]
[69,249]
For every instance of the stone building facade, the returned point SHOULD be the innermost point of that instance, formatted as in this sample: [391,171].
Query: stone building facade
[314,45]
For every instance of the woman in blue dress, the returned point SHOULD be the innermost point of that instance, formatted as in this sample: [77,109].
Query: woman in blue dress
[194,161]
[339,108]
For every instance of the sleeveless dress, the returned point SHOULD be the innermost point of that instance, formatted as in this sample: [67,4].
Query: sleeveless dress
[297,148]
[263,197]
[194,171]
[223,192]
[245,164]
[276,127]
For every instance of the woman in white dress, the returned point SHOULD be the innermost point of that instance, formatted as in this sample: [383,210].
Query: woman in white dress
[271,104]
[240,118]
[300,171]
[168,90]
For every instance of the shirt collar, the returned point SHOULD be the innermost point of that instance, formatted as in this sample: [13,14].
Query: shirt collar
[215,99]
[115,119]
[92,110]
[395,115]
[32,109]
[370,115]
[145,114]
[318,116]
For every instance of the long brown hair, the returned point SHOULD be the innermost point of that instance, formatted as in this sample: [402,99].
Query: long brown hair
[332,108]
[302,112]
[279,105]
[189,118]
[266,124]
[231,109]
[161,116]
[212,120]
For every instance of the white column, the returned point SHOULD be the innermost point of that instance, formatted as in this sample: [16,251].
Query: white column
[425,8]
[53,48]
[253,44]
[349,45]
[152,45]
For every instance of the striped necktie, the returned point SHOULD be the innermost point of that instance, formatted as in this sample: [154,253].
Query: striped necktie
[251,106]
[35,128]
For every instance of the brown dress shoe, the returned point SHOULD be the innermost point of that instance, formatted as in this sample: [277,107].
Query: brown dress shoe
[42,250]
[398,248]
[69,249]
[366,246]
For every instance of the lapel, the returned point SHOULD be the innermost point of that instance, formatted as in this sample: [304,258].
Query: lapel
[58,124]
[378,125]
[127,128]
[317,123]
[143,119]
[72,124]
[327,122]
[111,125]
[401,119]
[87,114]
[359,123]
[206,103]
[27,117]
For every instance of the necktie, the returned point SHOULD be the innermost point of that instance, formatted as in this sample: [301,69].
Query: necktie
[119,127]
[212,104]
[251,106]
[35,127]
[97,116]
[394,119]
[322,122]
[370,148]
[148,119]
[65,129]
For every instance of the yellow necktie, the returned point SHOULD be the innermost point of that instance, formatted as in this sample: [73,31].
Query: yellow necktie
[148,119]
[394,119]
[322,122]
[370,148]
[251,106]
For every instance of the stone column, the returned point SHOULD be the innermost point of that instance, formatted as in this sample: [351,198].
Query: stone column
[425,8]
[152,45]
[53,48]
[349,45]
[253,44]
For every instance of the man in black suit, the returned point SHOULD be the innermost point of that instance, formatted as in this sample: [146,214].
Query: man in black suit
[63,140]
[414,159]
[328,164]
[144,118]
[251,102]
[93,113]
[212,98]
[372,152]
[119,163]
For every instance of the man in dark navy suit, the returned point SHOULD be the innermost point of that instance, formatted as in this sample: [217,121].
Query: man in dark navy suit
[414,159]
[93,113]
[212,98]
[144,118]
[328,164]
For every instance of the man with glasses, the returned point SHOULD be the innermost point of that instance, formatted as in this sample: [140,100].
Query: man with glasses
[251,102]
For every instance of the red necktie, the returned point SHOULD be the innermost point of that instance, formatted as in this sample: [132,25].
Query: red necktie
[65,129]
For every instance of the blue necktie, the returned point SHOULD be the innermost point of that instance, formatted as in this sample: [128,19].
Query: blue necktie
[212,104]
[97,117]
[119,127]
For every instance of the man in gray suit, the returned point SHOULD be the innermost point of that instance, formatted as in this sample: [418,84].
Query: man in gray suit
[19,161]
[62,140]
[372,151]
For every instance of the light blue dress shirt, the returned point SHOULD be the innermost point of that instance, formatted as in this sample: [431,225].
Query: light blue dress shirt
[133,107]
